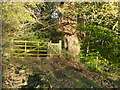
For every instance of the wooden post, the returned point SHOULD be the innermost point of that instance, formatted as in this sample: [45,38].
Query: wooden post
[38,49]
[97,59]
[87,50]
[25,48]
[11,52]
[49,50]
[60,47]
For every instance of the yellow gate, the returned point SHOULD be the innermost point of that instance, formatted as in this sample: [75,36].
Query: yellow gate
[35,48]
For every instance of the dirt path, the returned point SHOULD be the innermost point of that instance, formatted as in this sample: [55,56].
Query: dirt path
[49,73]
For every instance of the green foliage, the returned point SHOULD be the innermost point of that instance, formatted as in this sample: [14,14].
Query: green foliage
[67,55]
[15,17]
[101,31]
[103,40]
[103,51]
[100,13]
[45,27]
[29,21]
[100,39]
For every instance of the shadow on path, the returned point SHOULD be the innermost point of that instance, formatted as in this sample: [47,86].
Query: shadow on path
[55,73]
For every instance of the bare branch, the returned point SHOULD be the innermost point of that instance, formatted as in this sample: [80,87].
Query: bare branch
[115,25]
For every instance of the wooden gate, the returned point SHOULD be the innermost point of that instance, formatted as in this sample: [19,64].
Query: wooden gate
[35,48]
[54,48]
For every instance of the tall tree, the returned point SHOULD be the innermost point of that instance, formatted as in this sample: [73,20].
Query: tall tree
[68,24]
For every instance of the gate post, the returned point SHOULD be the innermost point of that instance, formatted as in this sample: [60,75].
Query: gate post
[60,47]
[25,48]
[38,50]
[48,50]
[11,51]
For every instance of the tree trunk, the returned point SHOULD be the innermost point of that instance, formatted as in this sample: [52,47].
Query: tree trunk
[68,27]
[72,44]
